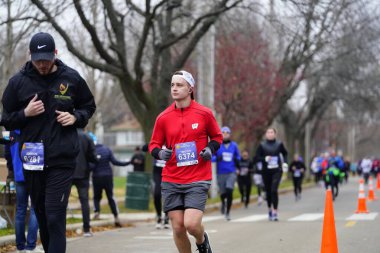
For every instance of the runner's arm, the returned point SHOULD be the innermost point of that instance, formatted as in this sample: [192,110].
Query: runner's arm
[116,162]
[284,153]
[214,133]
[157,140]
[13,117]
[84,104]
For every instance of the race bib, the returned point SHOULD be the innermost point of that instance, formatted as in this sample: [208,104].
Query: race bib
[244,171]
[273,162]
[186,154]
[227,156]
[257,179]
[297,173]
[32,155]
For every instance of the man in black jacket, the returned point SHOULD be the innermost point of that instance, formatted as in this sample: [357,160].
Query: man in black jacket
[48,101]
[87,154]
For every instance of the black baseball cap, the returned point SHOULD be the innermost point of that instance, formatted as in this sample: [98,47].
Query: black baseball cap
[42,47]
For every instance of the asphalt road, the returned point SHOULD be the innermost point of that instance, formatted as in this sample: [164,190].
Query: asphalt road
[298,230]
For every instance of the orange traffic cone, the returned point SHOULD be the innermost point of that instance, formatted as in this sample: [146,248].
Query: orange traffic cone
[378,181]
[362,205]
[329,241]
[371,192]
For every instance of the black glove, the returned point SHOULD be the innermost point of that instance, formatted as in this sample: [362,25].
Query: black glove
[206,154]
[165,154]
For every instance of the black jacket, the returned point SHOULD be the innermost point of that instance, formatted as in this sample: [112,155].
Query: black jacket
[138,162]
[274,149]
[64,90]
[87,154]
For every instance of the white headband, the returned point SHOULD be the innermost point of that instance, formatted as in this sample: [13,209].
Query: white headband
[187,76]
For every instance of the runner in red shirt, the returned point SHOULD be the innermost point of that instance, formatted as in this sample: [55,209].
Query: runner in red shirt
[192,135]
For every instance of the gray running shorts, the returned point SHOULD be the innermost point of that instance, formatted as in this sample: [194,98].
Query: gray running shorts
[226,181]
[184,196]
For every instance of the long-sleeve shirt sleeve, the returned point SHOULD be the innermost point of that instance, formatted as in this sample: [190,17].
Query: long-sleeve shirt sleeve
[13,116]
[116,162]
[84,105]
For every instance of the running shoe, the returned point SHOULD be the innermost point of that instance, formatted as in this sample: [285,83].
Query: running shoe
[37,249]
[166,222]
[205,247]
[158,224]
[274,217]
[259,201]
[223,208]
[117,223]
[96,216]
[87,234]
[270,216]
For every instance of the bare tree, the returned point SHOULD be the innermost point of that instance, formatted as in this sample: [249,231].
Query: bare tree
[166,31]
[15,25]
[345,80]
[304,31]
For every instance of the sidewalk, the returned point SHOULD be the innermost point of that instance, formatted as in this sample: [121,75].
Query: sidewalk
[132,218]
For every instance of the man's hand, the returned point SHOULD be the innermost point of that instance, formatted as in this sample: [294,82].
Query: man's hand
[34,107]
[65,118]
[165,154]
[206,154]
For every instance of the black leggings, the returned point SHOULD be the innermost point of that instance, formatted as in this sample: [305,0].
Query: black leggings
[245,185]
[227,196]
[157,179]
[106,183]
[272,179]
[49,192]
[297,183]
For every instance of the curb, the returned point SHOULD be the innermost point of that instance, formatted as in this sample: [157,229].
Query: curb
[10,239]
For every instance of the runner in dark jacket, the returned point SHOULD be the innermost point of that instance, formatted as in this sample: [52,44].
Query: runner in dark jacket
[273,156]
[102,178]
[297,169]
[81,180]
[48,101]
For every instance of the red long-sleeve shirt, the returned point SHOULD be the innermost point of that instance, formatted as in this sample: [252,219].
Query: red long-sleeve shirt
[174,126]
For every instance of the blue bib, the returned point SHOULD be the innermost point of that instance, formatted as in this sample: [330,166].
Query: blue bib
[186,154]
[273,162]
[32,155]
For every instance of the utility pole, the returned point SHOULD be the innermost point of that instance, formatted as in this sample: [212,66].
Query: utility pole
[206,69]
[307,147]
[206,84]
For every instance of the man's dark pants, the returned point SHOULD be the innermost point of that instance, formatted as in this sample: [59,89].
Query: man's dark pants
[83,185]
[49,191]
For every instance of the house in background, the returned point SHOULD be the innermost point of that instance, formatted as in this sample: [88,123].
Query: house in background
[123,138]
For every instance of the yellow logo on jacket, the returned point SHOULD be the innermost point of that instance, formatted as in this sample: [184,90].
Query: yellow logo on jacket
[63,88]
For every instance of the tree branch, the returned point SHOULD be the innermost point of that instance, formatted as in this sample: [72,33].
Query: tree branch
[95,39]
[135,7]
[118,29]
[23,19]
[221,8]
[70,45]
[202,31]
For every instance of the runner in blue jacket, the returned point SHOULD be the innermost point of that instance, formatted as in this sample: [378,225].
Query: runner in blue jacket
[227,158]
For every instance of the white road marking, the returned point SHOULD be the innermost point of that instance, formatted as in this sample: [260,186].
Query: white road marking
[161,233]
[363,216]
[153,237]
[252,218]
[211,218]
[307,217]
